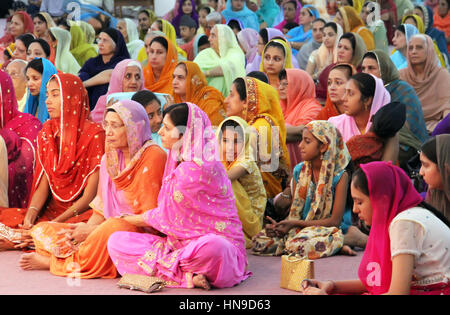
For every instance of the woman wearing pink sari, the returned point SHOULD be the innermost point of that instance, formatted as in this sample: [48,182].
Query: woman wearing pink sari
[200,241]
[407,250]
[20,132]
[127,76]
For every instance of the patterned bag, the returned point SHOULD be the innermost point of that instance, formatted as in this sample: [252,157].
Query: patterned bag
[294,270]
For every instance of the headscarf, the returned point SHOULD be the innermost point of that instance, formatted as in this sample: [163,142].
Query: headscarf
[353,23]
[330,109]
[35,103]
[197,191]
[231,60]
[69,162]
[287,54]
[247,17]
[347,125]
[391,192]
[115,86]
[134,43]
[334,161]
[282,22]
[164,83]
[89,31]
[7,39]
[195,45]
[297,34]
[419,22]
[169,30]
[19,131]
[248,39]
[80,48]
[64,60]
[440,199]
[119,179]
[177,19]
[432,89]
[256,63]
[325,56]
[152,18]
[397,57]
[267,12]
[198,92]
[301,105]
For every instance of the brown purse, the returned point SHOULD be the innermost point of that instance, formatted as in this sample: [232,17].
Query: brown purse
[141,283]
[294,270]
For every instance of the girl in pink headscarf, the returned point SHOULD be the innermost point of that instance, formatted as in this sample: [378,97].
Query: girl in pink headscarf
[200,242]
[407,251]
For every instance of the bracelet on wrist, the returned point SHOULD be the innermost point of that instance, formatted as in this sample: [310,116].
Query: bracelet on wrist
[33,208]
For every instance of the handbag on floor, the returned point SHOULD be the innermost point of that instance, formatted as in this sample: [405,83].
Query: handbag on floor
[294,270]
[141,283]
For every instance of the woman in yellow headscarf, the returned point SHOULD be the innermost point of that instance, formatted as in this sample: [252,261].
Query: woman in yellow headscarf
[259,105]
[350,21]
[276,56]
[236,152]
[190,85]
[79,47]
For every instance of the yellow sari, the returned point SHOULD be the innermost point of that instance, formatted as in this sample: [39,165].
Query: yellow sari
[249,191]
[263,112]
[354,24]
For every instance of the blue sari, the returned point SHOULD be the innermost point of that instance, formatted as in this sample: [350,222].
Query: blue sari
[247,17]
[37,103]
[298,34]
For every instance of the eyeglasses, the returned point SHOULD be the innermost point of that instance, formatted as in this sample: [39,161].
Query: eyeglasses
[113,126]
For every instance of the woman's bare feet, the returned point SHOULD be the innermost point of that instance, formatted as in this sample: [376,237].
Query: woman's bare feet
[33,261]
[200,281]
[355,237]
[346,250]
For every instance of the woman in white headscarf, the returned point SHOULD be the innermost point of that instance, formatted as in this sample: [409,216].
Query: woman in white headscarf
[64,60]
[130,33]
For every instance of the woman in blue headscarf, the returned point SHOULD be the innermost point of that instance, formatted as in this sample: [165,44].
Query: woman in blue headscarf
[267,12]
[38,73]
[401,38]
[302,34]
[237,9]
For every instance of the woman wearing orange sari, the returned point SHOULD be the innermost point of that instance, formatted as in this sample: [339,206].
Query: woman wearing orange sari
[190,85]
[350,21]
[297,98]
[162,59]
[69,149]
[131,174]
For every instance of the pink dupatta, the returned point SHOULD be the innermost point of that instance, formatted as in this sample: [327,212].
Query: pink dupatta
[390,192]
[196,198]
[347,125]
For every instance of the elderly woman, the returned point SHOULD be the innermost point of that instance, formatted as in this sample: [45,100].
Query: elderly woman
[428,79]
[129,150]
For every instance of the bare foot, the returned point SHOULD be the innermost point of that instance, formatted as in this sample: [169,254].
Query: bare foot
[355,237]
[33,261]
[346,250]
[200,281]
[5,244]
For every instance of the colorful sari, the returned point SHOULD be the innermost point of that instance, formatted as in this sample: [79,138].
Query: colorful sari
[164,83]
[391,192]
[354,24]
[263,112]
[64,60]
[201,235]
[81,50]
[35,105]
[123,189]
[247,17]
[198,92]
[300,107]
[19,132]
[69,150]
[115,86]
[231,59]
[432,89]
[249,191]
[347,125]
[313,201]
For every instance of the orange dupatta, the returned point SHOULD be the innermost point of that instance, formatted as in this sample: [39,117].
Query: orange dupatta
[164,83]
[354,24]
[198,92]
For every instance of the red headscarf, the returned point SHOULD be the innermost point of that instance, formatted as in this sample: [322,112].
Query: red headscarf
[28,27]
[69,148]
[391,192]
